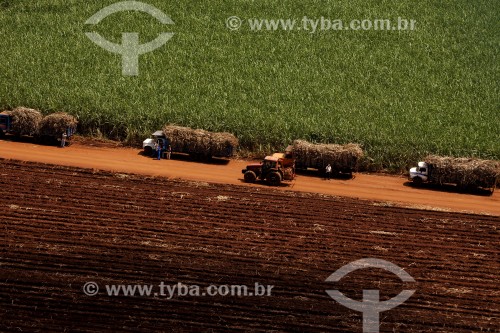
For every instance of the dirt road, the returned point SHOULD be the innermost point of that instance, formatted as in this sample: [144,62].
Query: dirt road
[382,188]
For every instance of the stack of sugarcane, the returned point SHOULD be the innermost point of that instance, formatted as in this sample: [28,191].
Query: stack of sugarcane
[55,124]
[188,140]
[340,157]
[24,121]
[463,171]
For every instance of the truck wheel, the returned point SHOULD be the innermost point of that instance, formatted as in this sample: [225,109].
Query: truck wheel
[250,177]
[148,151]
[417,181]
[274,179]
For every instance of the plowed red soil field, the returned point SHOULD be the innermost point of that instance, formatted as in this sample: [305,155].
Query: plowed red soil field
[62,227]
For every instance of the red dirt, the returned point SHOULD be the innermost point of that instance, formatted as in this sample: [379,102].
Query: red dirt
[371,187]
[62,227]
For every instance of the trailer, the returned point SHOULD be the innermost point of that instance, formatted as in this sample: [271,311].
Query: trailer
[342,158]
[54,125]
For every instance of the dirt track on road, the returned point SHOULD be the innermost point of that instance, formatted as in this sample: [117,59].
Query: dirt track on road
[381,188]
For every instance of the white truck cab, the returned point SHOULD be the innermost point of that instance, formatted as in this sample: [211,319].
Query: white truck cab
[420,173]
[148,145]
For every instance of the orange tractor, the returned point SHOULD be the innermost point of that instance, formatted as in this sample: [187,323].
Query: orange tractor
[273,169]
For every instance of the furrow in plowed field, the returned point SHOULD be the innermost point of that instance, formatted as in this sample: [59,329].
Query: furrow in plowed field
[62,227]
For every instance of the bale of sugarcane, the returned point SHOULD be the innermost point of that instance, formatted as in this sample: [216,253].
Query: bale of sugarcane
[318,156]
[463,171]
[55,124]
[198,141]
[25,121]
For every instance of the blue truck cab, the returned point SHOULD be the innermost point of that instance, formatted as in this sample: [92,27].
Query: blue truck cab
[5,123]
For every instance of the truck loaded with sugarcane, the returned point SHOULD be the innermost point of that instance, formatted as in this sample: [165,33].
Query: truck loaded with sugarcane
[465,173]
[198,143]
[30,122]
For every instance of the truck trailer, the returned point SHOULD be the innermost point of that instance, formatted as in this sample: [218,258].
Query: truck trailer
[342,158]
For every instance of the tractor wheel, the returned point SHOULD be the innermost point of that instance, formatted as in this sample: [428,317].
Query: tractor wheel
[274,179]
[417,181]
[250,177]
[148,151]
